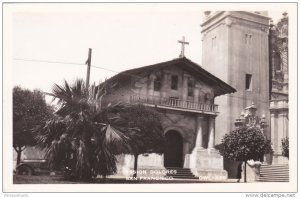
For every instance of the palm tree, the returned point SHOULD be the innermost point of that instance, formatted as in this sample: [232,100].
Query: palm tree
[83,136]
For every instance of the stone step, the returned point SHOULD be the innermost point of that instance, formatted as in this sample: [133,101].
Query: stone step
[272,169]
[275,165]
[281,169]
[283,175]
[184,177]
[275,176]
[191,174]
[177,168]
[181,173]
[274,173]
[272,180]
[178,171]
[272,176]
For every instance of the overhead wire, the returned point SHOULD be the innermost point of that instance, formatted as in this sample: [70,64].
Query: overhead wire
[73,63]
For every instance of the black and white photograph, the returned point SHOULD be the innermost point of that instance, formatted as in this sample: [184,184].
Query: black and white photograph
[150,97]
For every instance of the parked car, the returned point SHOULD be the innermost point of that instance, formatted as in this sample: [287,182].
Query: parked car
[32,167]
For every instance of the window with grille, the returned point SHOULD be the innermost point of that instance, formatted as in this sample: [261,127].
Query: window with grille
[174,82]
[157,83]
[190,87]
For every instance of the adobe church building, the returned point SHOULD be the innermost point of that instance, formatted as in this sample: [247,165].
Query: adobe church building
[185,94]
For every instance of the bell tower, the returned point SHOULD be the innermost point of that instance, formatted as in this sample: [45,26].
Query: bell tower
[235,49]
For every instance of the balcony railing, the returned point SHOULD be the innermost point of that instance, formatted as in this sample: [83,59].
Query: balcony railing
[174,103]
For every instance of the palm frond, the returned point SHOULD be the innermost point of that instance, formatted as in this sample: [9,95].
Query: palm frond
[105,162]
[54,155]
[83,166]
[62,93]
[51,131]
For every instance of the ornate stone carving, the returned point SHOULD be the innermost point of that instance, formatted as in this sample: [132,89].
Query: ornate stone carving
[277,85]
[250,119]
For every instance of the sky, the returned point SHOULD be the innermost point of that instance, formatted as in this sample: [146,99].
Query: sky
[122,36]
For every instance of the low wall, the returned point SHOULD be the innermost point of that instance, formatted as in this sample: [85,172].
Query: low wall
[148,165]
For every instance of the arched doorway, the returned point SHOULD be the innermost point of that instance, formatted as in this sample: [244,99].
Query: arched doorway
[173,149]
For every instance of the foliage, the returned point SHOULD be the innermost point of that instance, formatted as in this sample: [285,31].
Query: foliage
[244,144]
[29,111]
[269,149]
[150,138]
[285,147]
[84,137]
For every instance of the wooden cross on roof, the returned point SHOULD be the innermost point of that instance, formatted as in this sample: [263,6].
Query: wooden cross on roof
[183,42]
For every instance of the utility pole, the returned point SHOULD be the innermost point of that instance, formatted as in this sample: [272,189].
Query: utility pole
[88,62]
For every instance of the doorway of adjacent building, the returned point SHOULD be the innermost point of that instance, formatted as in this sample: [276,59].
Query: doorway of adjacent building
[173,149]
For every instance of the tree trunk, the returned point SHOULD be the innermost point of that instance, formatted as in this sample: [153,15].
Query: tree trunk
[19,153]
[245,172]
[135,165]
